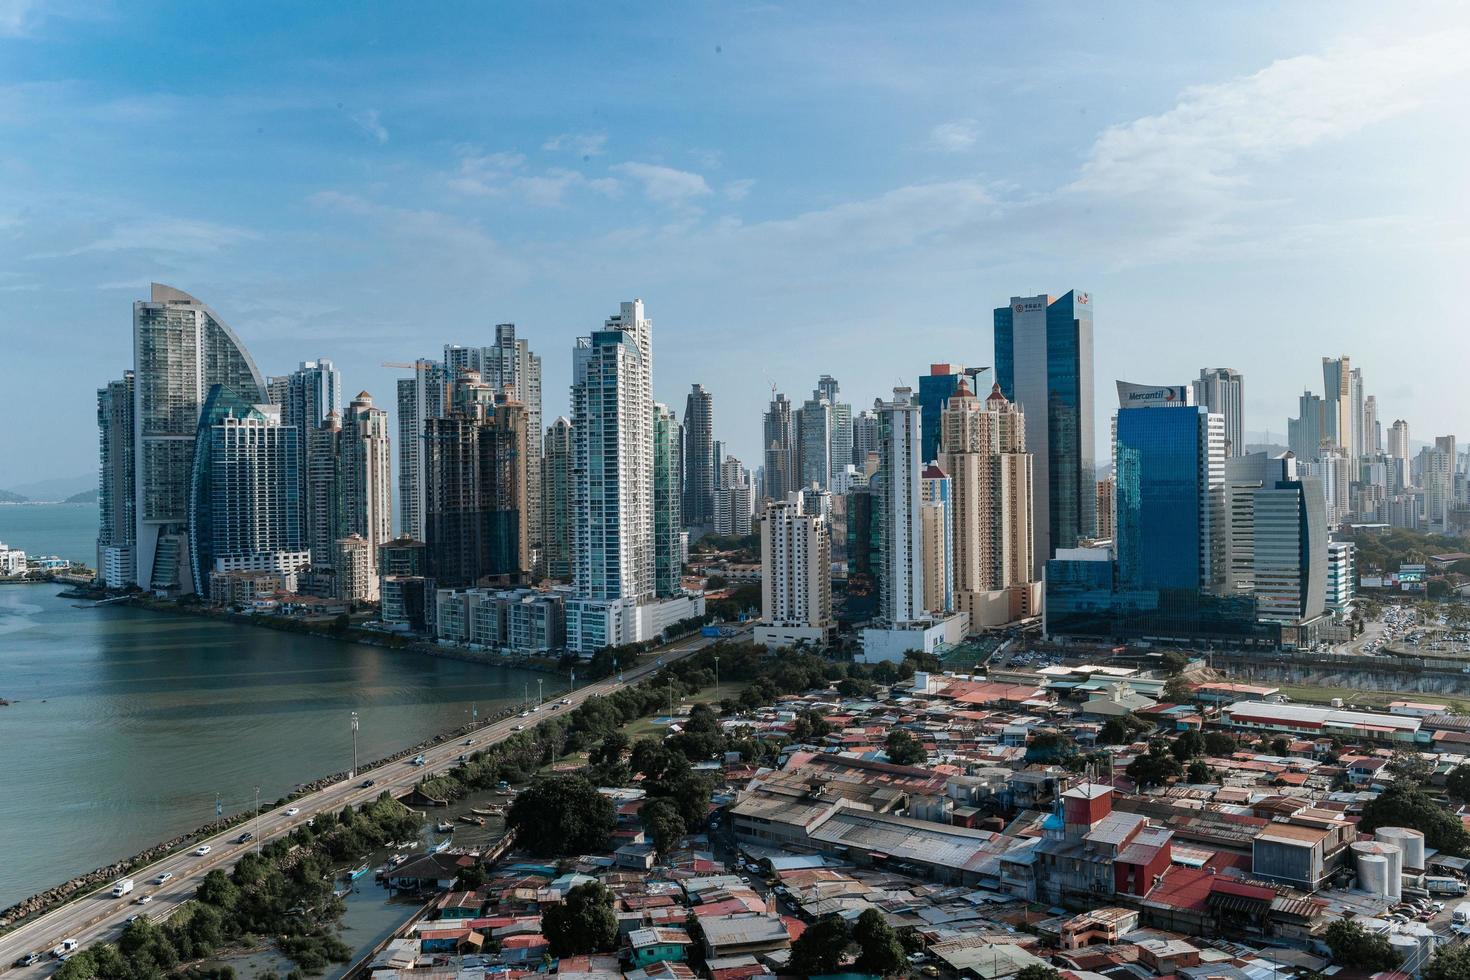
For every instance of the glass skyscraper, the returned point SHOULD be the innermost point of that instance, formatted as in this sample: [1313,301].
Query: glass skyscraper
[1043,362]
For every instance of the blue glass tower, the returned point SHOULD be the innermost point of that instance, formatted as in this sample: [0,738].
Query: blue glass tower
[934,391]
[1043,362]
[1161,457]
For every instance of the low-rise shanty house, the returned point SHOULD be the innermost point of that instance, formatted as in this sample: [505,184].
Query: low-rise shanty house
[652,945]
[454,940]
[744,934]
[597,966]
[1165,956]
[1097,926]
[635,857]
[458,905]
[523,949]
[428,872]
[662,971]
[984,955]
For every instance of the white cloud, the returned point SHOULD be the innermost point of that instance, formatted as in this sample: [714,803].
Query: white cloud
[368,121]
[582,144]
[504,175]
[956,136]
[736,190]
[160,236]
[665,184]
[15,17]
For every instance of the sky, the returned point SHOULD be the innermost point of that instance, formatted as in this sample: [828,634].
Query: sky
[792,189]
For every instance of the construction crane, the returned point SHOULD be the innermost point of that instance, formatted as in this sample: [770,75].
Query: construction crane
[410,366]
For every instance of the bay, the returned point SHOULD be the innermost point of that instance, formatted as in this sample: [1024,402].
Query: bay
[129,724]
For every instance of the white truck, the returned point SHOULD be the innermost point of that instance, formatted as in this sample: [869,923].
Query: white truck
[1444,885]
[1460,922]
[121,888]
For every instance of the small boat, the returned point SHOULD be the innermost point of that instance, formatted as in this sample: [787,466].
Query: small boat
[441,847]
[358,871]
[469,819]
[342,892]
[487,811]
[444,827]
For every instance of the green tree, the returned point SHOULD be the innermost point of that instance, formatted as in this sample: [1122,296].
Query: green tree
[1122,729]
[1173,662]
[1189,744]
[1457,783]
[562,815]
[1155,767]
[1177,690]
[584,922]
[1279,746]
[880,952]
[1218,744]
[1410,767]
[1050,748]
[1038,972]
[1406,804]
[1450,962]
[1199,772]
[810,726]
[1355,947]
[905,750]
[820,949]
[664,823]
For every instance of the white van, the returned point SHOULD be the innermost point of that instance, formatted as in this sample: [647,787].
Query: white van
[122,888]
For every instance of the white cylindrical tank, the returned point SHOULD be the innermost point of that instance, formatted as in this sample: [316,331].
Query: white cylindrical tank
[1380,869]
[1408,948]
[1406,839]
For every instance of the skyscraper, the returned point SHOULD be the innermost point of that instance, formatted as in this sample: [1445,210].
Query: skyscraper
[897,508]
[779,431]
[1372,430]
[1337,399]
[324,489]
[366,471]
[935,389]
[1043,363]
[936,524]
[982,446]
[306,397]
[1439,483]
[864,437]
[181,350]
[556,499]
[796,579]
[1289,560]
[814,442]
[668,525]
[841,438]
[116,473]
[244,499]
[1398,456]
[1306,433]
[420,398]
[1222,391]
[700,459]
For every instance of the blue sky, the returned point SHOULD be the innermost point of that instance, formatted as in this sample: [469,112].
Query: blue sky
[792,190]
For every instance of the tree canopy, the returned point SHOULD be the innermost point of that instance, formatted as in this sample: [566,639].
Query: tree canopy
[1406,804]
[820,949]
[880,951]
[562,815]
[905,750]
[1356,947]
[584,922]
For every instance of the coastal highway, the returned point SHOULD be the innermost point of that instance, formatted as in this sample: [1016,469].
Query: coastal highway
[99,916]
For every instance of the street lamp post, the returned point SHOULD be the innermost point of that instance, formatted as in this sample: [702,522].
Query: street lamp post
[257,820]
[353,774]
[538,693]
[717,676]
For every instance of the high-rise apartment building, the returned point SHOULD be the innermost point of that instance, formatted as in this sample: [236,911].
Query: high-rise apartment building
[1372,430]
[936,524]
[841,433]
[780,448]
[307,396]
[1222,391]
[1338,426]
[181,350]
[668,494]
[1306,434]
[420,398]
[117,471]
[1043,363]
[814,442]
[1105,489]
[475,488]
[796,576]
[365,477]
[1439,483]
[897,507]
[323,498]
[982,447]
[1398,456]
[864,437]
[935,389]
[701,459]
[244,499]
[1342,578]
[556,499]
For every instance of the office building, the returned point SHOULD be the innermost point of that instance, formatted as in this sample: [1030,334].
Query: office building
[1222,391]
[1289,547]
[701,459]
[897,506]
[244,501]
[935,389]
[813,424]
[668,494]
[841,430]
[181,351]
[365,476]
[1043,363]
[116,473]
[1399,462]
[556,500]
[936,517]
[420,398]
[982,448]
[780,447]
[475,488]
[1335,471]
[796,580]
[1342,578]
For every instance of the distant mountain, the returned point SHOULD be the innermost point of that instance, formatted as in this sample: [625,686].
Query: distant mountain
[6,497]
[85,497]
[55,489]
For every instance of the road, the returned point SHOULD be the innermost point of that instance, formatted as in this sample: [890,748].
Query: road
[99,916]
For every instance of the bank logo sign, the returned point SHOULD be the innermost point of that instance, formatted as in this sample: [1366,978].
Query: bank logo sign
[1136,396]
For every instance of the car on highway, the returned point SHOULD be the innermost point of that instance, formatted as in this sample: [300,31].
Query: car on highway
[164,878]
[566,700]
[291,811]
[136,916]
[65,949]
[520,728]
[30,959]
[202,850]
[369,782]
[142,899]
[245,838]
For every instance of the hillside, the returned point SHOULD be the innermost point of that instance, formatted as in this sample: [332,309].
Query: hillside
[85,497]
[7,497]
